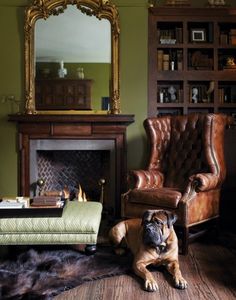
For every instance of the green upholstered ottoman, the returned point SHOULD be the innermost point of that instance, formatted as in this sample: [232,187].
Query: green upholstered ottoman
[79,224]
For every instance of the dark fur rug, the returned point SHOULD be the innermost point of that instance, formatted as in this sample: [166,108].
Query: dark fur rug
[43,274]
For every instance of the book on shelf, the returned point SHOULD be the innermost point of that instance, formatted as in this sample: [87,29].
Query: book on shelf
[232,36]
[210,32]
[159,60]
[179,35]
[221,95]
[223,38]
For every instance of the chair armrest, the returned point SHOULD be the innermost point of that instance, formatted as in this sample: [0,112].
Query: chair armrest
[145,179]
[205,181]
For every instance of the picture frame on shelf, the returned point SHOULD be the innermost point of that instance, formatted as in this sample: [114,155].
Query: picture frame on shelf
[198,35]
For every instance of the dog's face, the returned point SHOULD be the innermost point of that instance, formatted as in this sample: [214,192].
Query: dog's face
[157,225]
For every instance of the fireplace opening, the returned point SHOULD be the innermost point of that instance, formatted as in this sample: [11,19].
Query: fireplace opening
[60,169]
[61,164]
[72,168]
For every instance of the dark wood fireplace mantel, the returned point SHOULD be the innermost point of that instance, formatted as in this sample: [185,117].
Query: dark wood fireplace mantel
[74,118]
[79,127]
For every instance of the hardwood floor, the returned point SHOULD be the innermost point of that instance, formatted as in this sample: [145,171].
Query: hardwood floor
[209,268]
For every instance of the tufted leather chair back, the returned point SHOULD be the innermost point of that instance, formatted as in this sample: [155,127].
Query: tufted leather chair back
[181,149]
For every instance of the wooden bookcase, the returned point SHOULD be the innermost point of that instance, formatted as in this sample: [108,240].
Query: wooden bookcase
[192,60]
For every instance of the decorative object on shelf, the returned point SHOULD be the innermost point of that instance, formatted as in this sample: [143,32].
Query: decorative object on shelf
[62,72]
[230,63]
[198,35]
[210,91]
[195,95]
[161,96]
[200,61]
[172,92]
[172,60]
[80,73]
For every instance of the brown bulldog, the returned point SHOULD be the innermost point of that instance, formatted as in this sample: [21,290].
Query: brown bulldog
[152,240]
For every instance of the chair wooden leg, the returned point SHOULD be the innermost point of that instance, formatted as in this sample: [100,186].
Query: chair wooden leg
[185,240]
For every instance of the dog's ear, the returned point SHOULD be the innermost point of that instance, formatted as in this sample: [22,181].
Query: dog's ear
[171,218]
[147,216]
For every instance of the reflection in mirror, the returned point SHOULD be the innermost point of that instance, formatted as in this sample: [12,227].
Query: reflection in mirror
[73,56]
[65,66]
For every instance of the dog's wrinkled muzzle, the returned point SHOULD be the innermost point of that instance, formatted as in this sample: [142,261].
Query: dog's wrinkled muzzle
[152,236]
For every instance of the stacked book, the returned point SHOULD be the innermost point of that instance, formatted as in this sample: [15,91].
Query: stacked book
[10,204]
[166,62]
[46,201]
[160,60]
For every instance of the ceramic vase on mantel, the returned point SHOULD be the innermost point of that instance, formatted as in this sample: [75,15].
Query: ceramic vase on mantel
[62,72]
[80,73]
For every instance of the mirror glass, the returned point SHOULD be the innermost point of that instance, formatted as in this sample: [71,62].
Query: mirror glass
[69,48]
[72,56]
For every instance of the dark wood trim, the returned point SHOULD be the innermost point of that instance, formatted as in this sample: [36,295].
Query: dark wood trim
[83,118]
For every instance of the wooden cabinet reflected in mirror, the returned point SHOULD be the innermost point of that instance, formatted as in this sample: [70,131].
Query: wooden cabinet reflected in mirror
[63,37]
[63,94]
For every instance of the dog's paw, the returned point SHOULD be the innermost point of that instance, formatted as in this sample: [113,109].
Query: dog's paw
[181,283]
[151,285]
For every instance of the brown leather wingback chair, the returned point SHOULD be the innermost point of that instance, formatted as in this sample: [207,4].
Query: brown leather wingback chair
[185,171]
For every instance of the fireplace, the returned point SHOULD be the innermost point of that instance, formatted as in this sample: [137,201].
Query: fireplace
[84,163]
[95,143]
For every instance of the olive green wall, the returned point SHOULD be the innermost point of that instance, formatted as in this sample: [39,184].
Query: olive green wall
[133,43]
[11,82]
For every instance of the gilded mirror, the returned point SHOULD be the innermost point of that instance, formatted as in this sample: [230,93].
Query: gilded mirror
[46,10]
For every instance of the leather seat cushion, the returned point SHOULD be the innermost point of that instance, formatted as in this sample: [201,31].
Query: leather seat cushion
[164,197]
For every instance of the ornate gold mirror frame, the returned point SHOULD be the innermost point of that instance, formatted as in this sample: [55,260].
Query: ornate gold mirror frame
[44,9]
